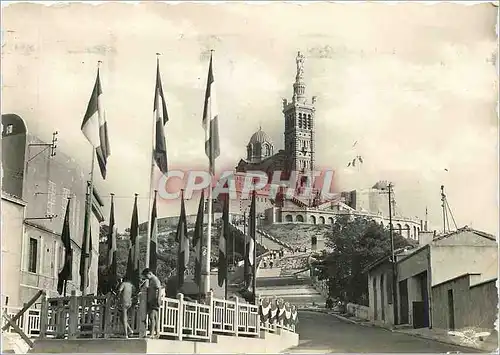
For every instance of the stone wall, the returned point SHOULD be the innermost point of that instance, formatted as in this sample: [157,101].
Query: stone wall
[474,305]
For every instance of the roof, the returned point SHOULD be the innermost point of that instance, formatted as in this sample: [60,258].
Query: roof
[465,229]
[387,258]
[458,277]
[260,137]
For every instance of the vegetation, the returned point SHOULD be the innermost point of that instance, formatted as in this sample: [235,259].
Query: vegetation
[167,253]
[354,244]
[297,235]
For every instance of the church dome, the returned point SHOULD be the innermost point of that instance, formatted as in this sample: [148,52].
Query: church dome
[260,137]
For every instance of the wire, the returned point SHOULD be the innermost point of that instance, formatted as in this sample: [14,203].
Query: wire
[451,214]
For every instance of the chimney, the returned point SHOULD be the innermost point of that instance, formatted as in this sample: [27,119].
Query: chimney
[425,237]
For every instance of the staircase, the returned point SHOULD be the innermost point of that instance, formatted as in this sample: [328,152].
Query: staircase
[262,238]
[298,291]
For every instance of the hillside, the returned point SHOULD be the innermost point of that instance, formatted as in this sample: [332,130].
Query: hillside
[167,248]
[297,235]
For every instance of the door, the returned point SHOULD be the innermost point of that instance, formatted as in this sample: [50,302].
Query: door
[418,314]
[425,298]
[382,298]
[451,311]
[403,301]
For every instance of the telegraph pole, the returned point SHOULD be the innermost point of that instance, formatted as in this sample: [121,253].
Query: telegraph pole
[393,261]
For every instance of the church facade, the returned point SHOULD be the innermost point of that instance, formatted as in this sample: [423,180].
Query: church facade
[298,156]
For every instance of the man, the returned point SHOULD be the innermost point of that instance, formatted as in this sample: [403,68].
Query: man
[153,301]
[125,293]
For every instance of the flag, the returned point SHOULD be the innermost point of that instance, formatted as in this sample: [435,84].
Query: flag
[67,269]
[198,241]
[183,240]
[222,267]
[132,273]
[211,121]
[250,255]
[85,255]
[95,128]
[112,268]
[161,117]
[153,241]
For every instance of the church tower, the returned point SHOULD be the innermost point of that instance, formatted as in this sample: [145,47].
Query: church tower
[299,125]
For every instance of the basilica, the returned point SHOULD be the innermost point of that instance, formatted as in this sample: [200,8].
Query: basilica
[298,156]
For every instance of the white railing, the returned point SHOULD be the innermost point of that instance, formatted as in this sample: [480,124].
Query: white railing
[29,322]
[99,317]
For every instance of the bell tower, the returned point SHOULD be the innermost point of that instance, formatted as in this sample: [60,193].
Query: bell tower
[299,125]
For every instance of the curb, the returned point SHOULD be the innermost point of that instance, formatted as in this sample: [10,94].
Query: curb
[445,341]
[392,330]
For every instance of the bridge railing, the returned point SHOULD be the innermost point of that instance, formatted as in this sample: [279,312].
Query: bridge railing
[100,317]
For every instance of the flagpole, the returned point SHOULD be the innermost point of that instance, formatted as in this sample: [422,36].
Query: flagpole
[206,273]
[254,226]
[226,257]
[148,248]
[88,250]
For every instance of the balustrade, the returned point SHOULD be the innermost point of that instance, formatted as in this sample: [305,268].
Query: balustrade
[100,317]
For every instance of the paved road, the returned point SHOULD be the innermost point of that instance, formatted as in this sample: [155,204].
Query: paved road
[321,332]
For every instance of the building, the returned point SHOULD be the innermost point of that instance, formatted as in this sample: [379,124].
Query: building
[423,273]
[465,301]
[299,154]
[36,184]
[298,157]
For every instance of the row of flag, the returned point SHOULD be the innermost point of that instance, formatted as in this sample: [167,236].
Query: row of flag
[95,129]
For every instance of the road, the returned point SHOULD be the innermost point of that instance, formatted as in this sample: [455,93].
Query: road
[324,333]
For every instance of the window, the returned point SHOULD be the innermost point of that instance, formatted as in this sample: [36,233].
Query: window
[9,129]
[33,255]
[51,198]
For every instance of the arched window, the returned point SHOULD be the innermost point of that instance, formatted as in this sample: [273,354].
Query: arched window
[268,150]
[321,220]
[313,219]
[330,220]
[299,218]
[408,232]
[288,218]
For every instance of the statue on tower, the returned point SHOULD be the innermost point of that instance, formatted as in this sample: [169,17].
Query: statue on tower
[300,65]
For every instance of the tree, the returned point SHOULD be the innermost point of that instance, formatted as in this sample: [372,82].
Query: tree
[355,244]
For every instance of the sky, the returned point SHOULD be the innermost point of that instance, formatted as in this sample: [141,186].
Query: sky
[415,85]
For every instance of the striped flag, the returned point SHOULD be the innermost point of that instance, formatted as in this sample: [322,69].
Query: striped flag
[161,117]
[250,257]
[183,240]
[112,267]
[153,243]
[67,271]
[132,273]
[198,240]
[222,273]
[95,128]
[211,121]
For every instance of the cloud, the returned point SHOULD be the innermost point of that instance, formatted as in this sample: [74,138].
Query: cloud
[414,84]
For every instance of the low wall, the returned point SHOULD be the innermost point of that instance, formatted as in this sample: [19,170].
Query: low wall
[361,312]
[267,343]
